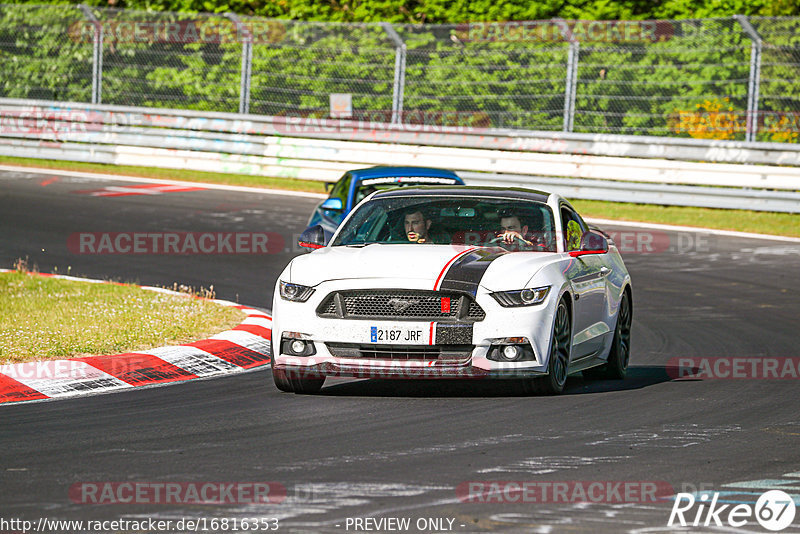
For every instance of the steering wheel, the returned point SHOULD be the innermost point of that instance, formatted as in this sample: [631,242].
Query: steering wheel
[517,244]
[500,242]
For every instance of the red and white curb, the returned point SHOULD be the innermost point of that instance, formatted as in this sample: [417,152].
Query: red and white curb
[245,347]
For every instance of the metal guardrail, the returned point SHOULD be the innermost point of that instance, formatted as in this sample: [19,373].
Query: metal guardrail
[602,167]
[109,118]
[662,194]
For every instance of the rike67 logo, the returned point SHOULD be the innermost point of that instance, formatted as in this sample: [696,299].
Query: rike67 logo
[774,510]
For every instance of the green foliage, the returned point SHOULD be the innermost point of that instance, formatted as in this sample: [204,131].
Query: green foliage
[637,88]
[635,78]
[296,74]
[193,64]
[38,61]
[449,11]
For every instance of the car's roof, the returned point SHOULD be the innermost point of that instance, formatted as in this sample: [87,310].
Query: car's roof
[384,171]
[467,191]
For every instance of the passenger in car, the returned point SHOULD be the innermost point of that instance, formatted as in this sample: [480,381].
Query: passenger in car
[418,229]
[417,225]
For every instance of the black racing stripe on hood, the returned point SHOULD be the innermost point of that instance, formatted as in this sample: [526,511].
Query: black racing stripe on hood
[466,273]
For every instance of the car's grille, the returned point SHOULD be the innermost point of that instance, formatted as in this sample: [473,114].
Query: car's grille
[398,304]
[442,353]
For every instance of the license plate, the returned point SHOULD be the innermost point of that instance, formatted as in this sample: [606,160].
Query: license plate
[397,335]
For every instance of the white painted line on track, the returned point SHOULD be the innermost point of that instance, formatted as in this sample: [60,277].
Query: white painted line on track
[264,191]
[726,233]
[204,185]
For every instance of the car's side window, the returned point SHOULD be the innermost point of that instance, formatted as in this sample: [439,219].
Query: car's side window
[363,192]
[574,228]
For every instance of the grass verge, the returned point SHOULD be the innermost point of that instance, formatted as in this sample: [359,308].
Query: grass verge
[758,222]
[47,318]
[784,224]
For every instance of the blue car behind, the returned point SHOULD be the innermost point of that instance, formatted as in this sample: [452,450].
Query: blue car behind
[356,185]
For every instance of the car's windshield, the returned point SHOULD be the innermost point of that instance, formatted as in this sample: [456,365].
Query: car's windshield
[451,220]
[370,185]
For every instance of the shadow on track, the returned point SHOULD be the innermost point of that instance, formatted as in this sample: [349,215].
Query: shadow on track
[638,377]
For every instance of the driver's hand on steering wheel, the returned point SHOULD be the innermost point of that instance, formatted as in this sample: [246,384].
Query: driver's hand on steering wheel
[508,237]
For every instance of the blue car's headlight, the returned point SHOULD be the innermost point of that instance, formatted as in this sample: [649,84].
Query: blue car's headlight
[295,292]
[521,297]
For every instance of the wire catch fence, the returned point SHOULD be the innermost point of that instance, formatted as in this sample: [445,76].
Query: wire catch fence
[733,78]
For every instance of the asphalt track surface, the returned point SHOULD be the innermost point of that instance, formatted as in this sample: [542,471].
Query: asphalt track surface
[396,448]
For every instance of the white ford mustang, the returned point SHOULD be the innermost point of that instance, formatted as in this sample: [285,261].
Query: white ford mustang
[454,282]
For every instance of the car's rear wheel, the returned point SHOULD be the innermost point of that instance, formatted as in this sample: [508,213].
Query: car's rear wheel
[558,362]
[617,365]
[291,382]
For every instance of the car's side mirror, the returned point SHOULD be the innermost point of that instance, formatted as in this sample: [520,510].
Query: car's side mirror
[313,237]
[334,204]
[592,242]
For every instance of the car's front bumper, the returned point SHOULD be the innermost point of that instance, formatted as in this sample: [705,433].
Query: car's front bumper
[533,323]
[384,369]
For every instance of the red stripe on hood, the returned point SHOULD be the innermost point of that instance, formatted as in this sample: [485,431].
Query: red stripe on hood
[449,263]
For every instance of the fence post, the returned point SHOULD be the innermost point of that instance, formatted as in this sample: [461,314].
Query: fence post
[571,83]
[97,54]
[399,86]
[754,80]
[246,39]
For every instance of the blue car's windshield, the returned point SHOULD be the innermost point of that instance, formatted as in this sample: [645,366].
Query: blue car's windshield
[450,220]
[370,185]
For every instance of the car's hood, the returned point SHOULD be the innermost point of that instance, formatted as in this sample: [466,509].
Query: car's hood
[453,266]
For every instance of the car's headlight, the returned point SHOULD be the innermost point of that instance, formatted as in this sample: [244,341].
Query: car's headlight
[295,292]
[521,297]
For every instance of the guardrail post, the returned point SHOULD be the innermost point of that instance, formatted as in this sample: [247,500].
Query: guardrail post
[97,54]
[571,83]
[247,62]
[754,80]
[399,86]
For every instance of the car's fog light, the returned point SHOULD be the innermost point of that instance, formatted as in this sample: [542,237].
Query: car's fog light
[511,349]
[511,352]
[297,347]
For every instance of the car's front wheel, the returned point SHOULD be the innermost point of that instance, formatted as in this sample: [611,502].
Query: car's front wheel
[558,362]
[291,382]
